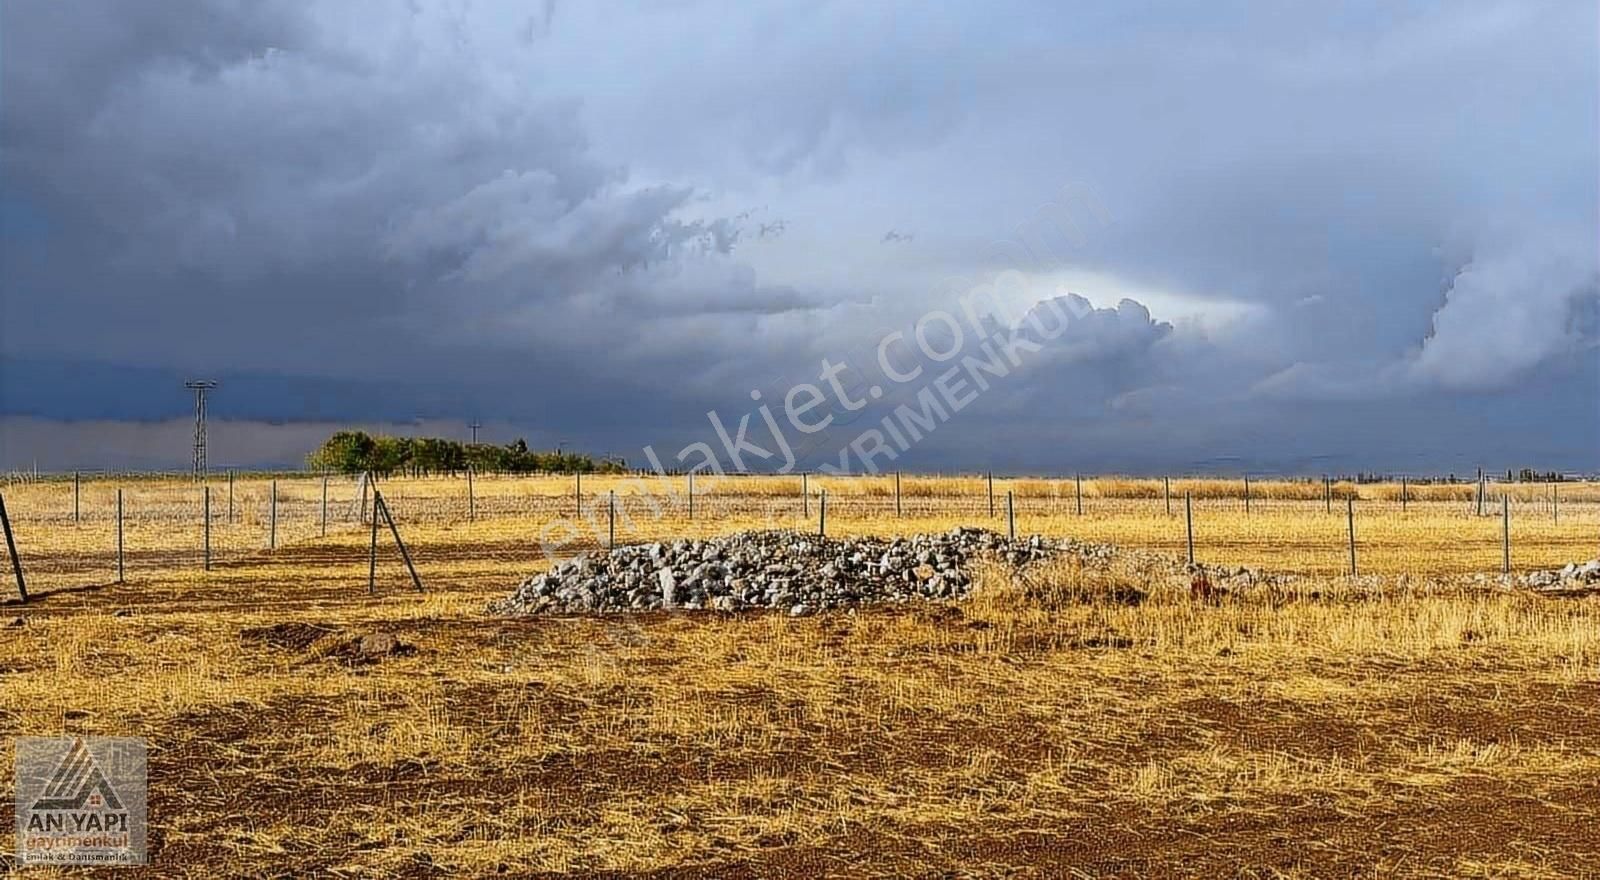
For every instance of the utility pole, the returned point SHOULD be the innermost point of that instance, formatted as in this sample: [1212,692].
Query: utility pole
[200,387]
[475,426]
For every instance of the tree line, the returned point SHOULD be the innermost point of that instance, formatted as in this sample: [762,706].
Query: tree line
[355,452]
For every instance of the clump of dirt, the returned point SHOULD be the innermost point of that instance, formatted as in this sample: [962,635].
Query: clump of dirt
[288,636]
[365,650]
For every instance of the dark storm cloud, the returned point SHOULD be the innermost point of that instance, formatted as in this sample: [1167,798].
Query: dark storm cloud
[1287,224]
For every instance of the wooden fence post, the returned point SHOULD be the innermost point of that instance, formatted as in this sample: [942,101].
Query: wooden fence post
[991,494]
[1480,491]
[1246,493]
[11,547]
[1188,523]
[120,571]
[1403,498]
[1011,515]
[1350,519]
[1166,493]
[1078,481]
[1327,493]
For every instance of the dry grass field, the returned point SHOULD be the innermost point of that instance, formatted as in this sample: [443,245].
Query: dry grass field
[1414,721]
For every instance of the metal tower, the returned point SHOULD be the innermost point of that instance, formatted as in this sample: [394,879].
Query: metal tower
[200,388]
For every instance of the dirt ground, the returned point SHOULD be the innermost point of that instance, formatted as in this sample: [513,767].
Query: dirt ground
[1409,726]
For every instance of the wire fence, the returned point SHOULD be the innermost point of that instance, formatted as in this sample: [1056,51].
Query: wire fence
[74,531]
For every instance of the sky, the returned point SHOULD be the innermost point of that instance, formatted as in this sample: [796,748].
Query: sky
[1240,236]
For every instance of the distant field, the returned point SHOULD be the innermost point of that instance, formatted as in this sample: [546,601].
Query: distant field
[1411,722]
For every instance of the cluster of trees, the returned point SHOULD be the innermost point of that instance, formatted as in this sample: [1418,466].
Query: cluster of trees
[354,452]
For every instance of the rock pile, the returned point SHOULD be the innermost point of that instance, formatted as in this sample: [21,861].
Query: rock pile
[789,571]
[1575,577]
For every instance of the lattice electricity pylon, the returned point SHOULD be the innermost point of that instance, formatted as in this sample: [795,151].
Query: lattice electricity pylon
[200,387]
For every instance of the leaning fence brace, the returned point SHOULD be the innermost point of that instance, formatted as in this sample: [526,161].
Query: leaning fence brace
[11,547]
[380,507]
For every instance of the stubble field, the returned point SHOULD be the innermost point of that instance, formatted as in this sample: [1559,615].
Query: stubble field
[1416,720]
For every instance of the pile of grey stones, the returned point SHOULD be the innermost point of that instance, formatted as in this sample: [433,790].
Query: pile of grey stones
[788,571]
[1580,577]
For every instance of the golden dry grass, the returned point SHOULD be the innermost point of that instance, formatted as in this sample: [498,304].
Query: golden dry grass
[1414,724]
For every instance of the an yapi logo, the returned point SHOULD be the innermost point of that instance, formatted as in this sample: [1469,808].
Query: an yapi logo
[78,783]
[81,801]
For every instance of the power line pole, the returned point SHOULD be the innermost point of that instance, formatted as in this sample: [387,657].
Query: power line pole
[475,426]
[200,387]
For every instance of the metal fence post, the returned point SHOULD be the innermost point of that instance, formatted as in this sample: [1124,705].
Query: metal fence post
[205,514]
[822,515]
[896,493]
[1505,534]
[691,496]
[76,492]
[272,528]
[611,520]
[1350,520]
[1246,493]
[230,497]
[991,494]
[1011,515]
[805,498]
[472,502]
[119,537]
[1188,523]
[1166,493]
[1327,493]
[324,505]
[1078,480]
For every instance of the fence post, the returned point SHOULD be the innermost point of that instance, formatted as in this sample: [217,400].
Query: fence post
[272,528]
[1078,480]
[691,496]
[896,493]
[205,514]
[805,498]
[611,520]
[1246,493]
[822,515]
[119,537]
[372,546]
[1505,534]
[1166,493]
[1011,515]
[1327,493]
[1350,519]
[1188,523]
[1480,491]
[577,493]
[991,494]
[324,505]
[11,547]
[472,501]
[405,554]
[75,495]
[1403,498]
[230,497]
[1555,502]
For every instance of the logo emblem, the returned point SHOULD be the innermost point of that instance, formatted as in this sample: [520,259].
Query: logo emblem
[81,800]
